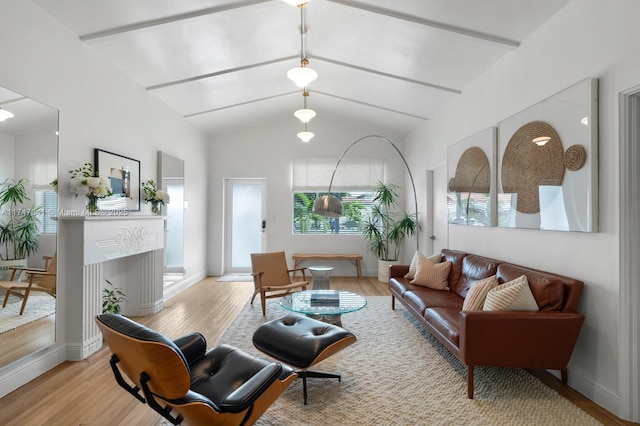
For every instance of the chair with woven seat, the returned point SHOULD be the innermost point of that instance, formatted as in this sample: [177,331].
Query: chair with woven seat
[181,380]
[39,280]
[272,277]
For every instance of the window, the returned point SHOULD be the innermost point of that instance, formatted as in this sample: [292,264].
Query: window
[356,207]
[352,182]
[47,201]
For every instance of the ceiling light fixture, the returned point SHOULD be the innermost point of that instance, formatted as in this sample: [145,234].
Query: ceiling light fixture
[5,115]
[302,76]
[305,136]
[305,115]
[298,3]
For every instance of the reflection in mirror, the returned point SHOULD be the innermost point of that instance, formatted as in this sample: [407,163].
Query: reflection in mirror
[29,147]
[171,179]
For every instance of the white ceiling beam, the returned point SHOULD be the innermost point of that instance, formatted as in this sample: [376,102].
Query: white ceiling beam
[221,72]
[342,98]
[169,19]
[253,101]
[384,74]
[512,44]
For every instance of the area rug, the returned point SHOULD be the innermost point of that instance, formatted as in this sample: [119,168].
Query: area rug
[238,278]
[37,307]
[397,374]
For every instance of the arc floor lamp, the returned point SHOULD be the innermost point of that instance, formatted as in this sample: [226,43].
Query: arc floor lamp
[331,206]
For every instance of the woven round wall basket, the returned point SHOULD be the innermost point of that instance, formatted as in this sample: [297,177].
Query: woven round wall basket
[526,165]
[575,157]
[472,172]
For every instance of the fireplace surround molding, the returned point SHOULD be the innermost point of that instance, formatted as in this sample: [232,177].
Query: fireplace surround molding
[100,247]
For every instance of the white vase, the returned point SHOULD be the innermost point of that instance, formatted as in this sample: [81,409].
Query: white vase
[383,269]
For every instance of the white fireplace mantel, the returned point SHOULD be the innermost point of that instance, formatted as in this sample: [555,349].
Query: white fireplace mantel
[127,249]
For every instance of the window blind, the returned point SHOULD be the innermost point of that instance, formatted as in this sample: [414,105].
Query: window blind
[314,174]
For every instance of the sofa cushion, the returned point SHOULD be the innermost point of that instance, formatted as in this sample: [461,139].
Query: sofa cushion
[421,298]
[432,275]
[474,268]
[547,289]
[455,257]
[436,258]
[478,293]
[446,321]
[511,296]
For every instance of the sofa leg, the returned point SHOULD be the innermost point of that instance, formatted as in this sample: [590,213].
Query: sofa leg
[393,303]
[470,381]
[563,374]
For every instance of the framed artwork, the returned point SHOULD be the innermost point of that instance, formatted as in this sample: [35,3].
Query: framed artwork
[548,167]
[471,180]
[124,177]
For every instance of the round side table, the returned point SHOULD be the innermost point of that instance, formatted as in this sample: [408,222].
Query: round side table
[321,276]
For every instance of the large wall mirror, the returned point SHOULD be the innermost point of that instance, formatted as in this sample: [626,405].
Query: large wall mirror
[171,179]
[29,147]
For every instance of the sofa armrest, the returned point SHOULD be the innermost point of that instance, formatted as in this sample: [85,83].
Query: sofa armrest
[538,340]
[398,270]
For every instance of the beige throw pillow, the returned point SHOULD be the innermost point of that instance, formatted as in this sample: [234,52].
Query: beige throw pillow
[478,293]
[436,258]
[432,275]
[511,296]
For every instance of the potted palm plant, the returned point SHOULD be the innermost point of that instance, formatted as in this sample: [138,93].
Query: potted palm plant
[19,225]
[387,227]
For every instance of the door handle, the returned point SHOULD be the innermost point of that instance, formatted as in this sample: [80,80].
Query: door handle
[264,225]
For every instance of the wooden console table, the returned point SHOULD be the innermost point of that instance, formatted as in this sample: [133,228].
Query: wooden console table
[298,258]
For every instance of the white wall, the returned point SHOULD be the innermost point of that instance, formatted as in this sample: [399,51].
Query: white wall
[588,38]
[99,108]
[266,151]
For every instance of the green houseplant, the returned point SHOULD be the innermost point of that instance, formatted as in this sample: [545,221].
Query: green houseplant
[19,225]
[387,227]
[111,299]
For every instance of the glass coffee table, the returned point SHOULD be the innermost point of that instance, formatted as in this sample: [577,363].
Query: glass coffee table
[325,305]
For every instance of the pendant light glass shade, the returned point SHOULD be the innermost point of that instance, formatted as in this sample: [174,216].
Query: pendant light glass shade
[5,115]
[302,76]
[296,2]
[305,136]
[305,115]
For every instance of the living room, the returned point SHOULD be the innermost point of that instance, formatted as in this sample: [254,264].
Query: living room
[101,107]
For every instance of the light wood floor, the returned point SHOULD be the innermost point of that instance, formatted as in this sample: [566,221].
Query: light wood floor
[85,392]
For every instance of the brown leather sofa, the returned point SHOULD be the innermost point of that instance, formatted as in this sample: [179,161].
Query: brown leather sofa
[535,340]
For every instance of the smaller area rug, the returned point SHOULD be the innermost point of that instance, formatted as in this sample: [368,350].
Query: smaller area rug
[238,278]
[38,307]
[397,374]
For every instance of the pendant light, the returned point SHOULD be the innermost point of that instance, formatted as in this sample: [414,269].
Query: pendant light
[302,76]
[305,114]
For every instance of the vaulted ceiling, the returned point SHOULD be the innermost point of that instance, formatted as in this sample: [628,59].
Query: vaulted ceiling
[221,63]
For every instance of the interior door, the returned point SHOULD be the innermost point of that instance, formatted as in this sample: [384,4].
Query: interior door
[438,229]
[245,222]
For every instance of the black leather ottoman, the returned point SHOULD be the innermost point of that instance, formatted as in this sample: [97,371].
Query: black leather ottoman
[302,342]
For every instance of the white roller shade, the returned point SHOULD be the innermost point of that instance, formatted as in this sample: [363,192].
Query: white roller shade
[314,174]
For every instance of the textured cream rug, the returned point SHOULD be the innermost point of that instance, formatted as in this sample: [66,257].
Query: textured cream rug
[38,306]
[397,374]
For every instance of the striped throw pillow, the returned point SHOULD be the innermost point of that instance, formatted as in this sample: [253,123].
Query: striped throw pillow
[514,295]
[478,293]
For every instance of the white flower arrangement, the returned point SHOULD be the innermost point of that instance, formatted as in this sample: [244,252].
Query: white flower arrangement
[154,195]
[84,182]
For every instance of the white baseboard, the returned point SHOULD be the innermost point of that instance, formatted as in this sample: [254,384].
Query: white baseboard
[178,286]
[28,368]
[602,396]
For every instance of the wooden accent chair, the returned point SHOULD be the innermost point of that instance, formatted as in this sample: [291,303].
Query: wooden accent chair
[41,280]
[272,277]
[181,380]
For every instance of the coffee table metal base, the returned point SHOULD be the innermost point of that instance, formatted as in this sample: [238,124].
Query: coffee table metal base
[329,319]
